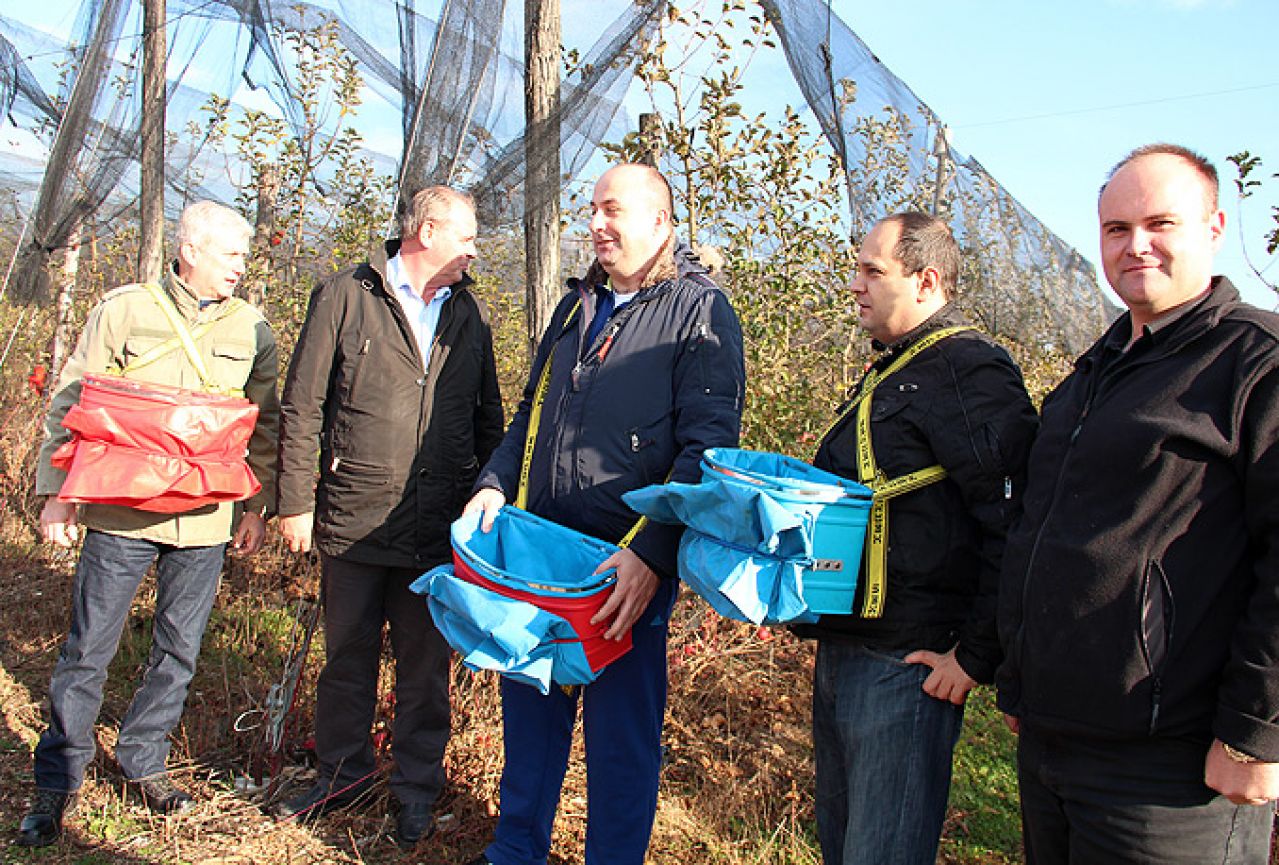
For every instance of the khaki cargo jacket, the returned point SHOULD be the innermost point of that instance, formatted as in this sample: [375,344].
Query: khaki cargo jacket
[240,353]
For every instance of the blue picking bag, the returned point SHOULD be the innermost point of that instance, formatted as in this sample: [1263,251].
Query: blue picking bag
[513,637]
[769,538]
[519,599]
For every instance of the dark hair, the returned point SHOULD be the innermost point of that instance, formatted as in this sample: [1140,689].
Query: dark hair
[926,241]
[1206,170]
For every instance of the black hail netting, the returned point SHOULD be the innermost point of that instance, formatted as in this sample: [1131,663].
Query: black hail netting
[857,99]
[445,85]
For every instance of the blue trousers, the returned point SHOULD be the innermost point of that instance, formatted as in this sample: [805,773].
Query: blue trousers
[883,750]
[358,599]
[622,714]
[1097,802]
[107,577]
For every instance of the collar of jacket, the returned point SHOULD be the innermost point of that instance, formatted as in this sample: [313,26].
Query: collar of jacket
[947,316]
[674,260]
[188,305]
[380,255]
[1221,298]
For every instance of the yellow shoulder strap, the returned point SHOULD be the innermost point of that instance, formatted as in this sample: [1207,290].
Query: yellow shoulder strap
[183,336]
[876,570]
[535,421]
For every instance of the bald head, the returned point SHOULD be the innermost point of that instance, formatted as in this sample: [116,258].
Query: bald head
[630,222]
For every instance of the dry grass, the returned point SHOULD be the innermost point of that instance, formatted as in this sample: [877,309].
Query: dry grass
[737,759]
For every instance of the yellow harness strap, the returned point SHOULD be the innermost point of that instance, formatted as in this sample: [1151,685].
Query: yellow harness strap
[868,473]
[185,337]
[535,421]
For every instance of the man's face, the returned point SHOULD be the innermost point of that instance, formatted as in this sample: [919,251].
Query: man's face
[449,245]
[213,269]
[887,298]
[629,223]
[1158,234]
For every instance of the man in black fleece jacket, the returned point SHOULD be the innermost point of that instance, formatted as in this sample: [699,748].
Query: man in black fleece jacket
[1139,604]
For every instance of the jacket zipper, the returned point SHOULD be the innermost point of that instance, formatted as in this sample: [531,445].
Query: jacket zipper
[1094,390]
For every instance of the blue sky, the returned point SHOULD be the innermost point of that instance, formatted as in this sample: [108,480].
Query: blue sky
[1048,95]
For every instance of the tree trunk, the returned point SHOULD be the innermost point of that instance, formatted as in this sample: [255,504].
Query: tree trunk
[542,156]
[63,330]
[151,240]
[264,232]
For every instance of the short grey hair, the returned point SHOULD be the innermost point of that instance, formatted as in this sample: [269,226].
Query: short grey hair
[205,220]
[432,204]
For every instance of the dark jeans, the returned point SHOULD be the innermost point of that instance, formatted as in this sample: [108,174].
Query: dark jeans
[1097,802]
[622,714]
[107,577]
[883,750]
[358,599]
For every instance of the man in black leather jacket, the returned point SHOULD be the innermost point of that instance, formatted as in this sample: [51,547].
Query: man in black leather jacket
[950,425]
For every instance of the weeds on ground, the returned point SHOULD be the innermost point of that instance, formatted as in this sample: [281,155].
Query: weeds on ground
[983,824]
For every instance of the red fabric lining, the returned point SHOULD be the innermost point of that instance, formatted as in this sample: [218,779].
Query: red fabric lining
[575,609]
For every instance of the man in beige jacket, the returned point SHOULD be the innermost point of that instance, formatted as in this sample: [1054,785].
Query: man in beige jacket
[121,543]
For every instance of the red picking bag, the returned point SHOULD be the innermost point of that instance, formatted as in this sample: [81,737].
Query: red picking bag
[156,447]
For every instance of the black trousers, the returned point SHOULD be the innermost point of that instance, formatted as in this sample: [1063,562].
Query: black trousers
[1143,802]
[358,599]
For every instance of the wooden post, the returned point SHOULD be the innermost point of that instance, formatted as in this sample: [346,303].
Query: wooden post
[542,158]
[650,125]
[154,57]
[941,149]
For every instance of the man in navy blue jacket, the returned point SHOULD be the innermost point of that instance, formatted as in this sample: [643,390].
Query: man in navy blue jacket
[644,372]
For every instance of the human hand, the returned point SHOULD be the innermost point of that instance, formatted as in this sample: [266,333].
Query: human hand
[947,681]
[1241,783]
[296,531]
[636,584]
[488,501]
[249,534]
[59,523]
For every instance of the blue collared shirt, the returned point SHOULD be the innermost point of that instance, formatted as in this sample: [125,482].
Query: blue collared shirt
[423,316]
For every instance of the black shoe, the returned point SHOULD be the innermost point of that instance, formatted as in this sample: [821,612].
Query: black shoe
[414,823]
[43,823]
[322,798]
[480,860]
[162,796]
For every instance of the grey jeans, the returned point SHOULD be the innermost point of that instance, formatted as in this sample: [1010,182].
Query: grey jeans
[107,577]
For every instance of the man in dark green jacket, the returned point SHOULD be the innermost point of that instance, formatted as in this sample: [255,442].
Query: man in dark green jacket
[130,334]
[393,383]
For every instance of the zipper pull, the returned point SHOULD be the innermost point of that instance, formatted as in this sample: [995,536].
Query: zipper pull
[1008,489]
[608,343]
[576,375]
[635,442]
[364,349]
